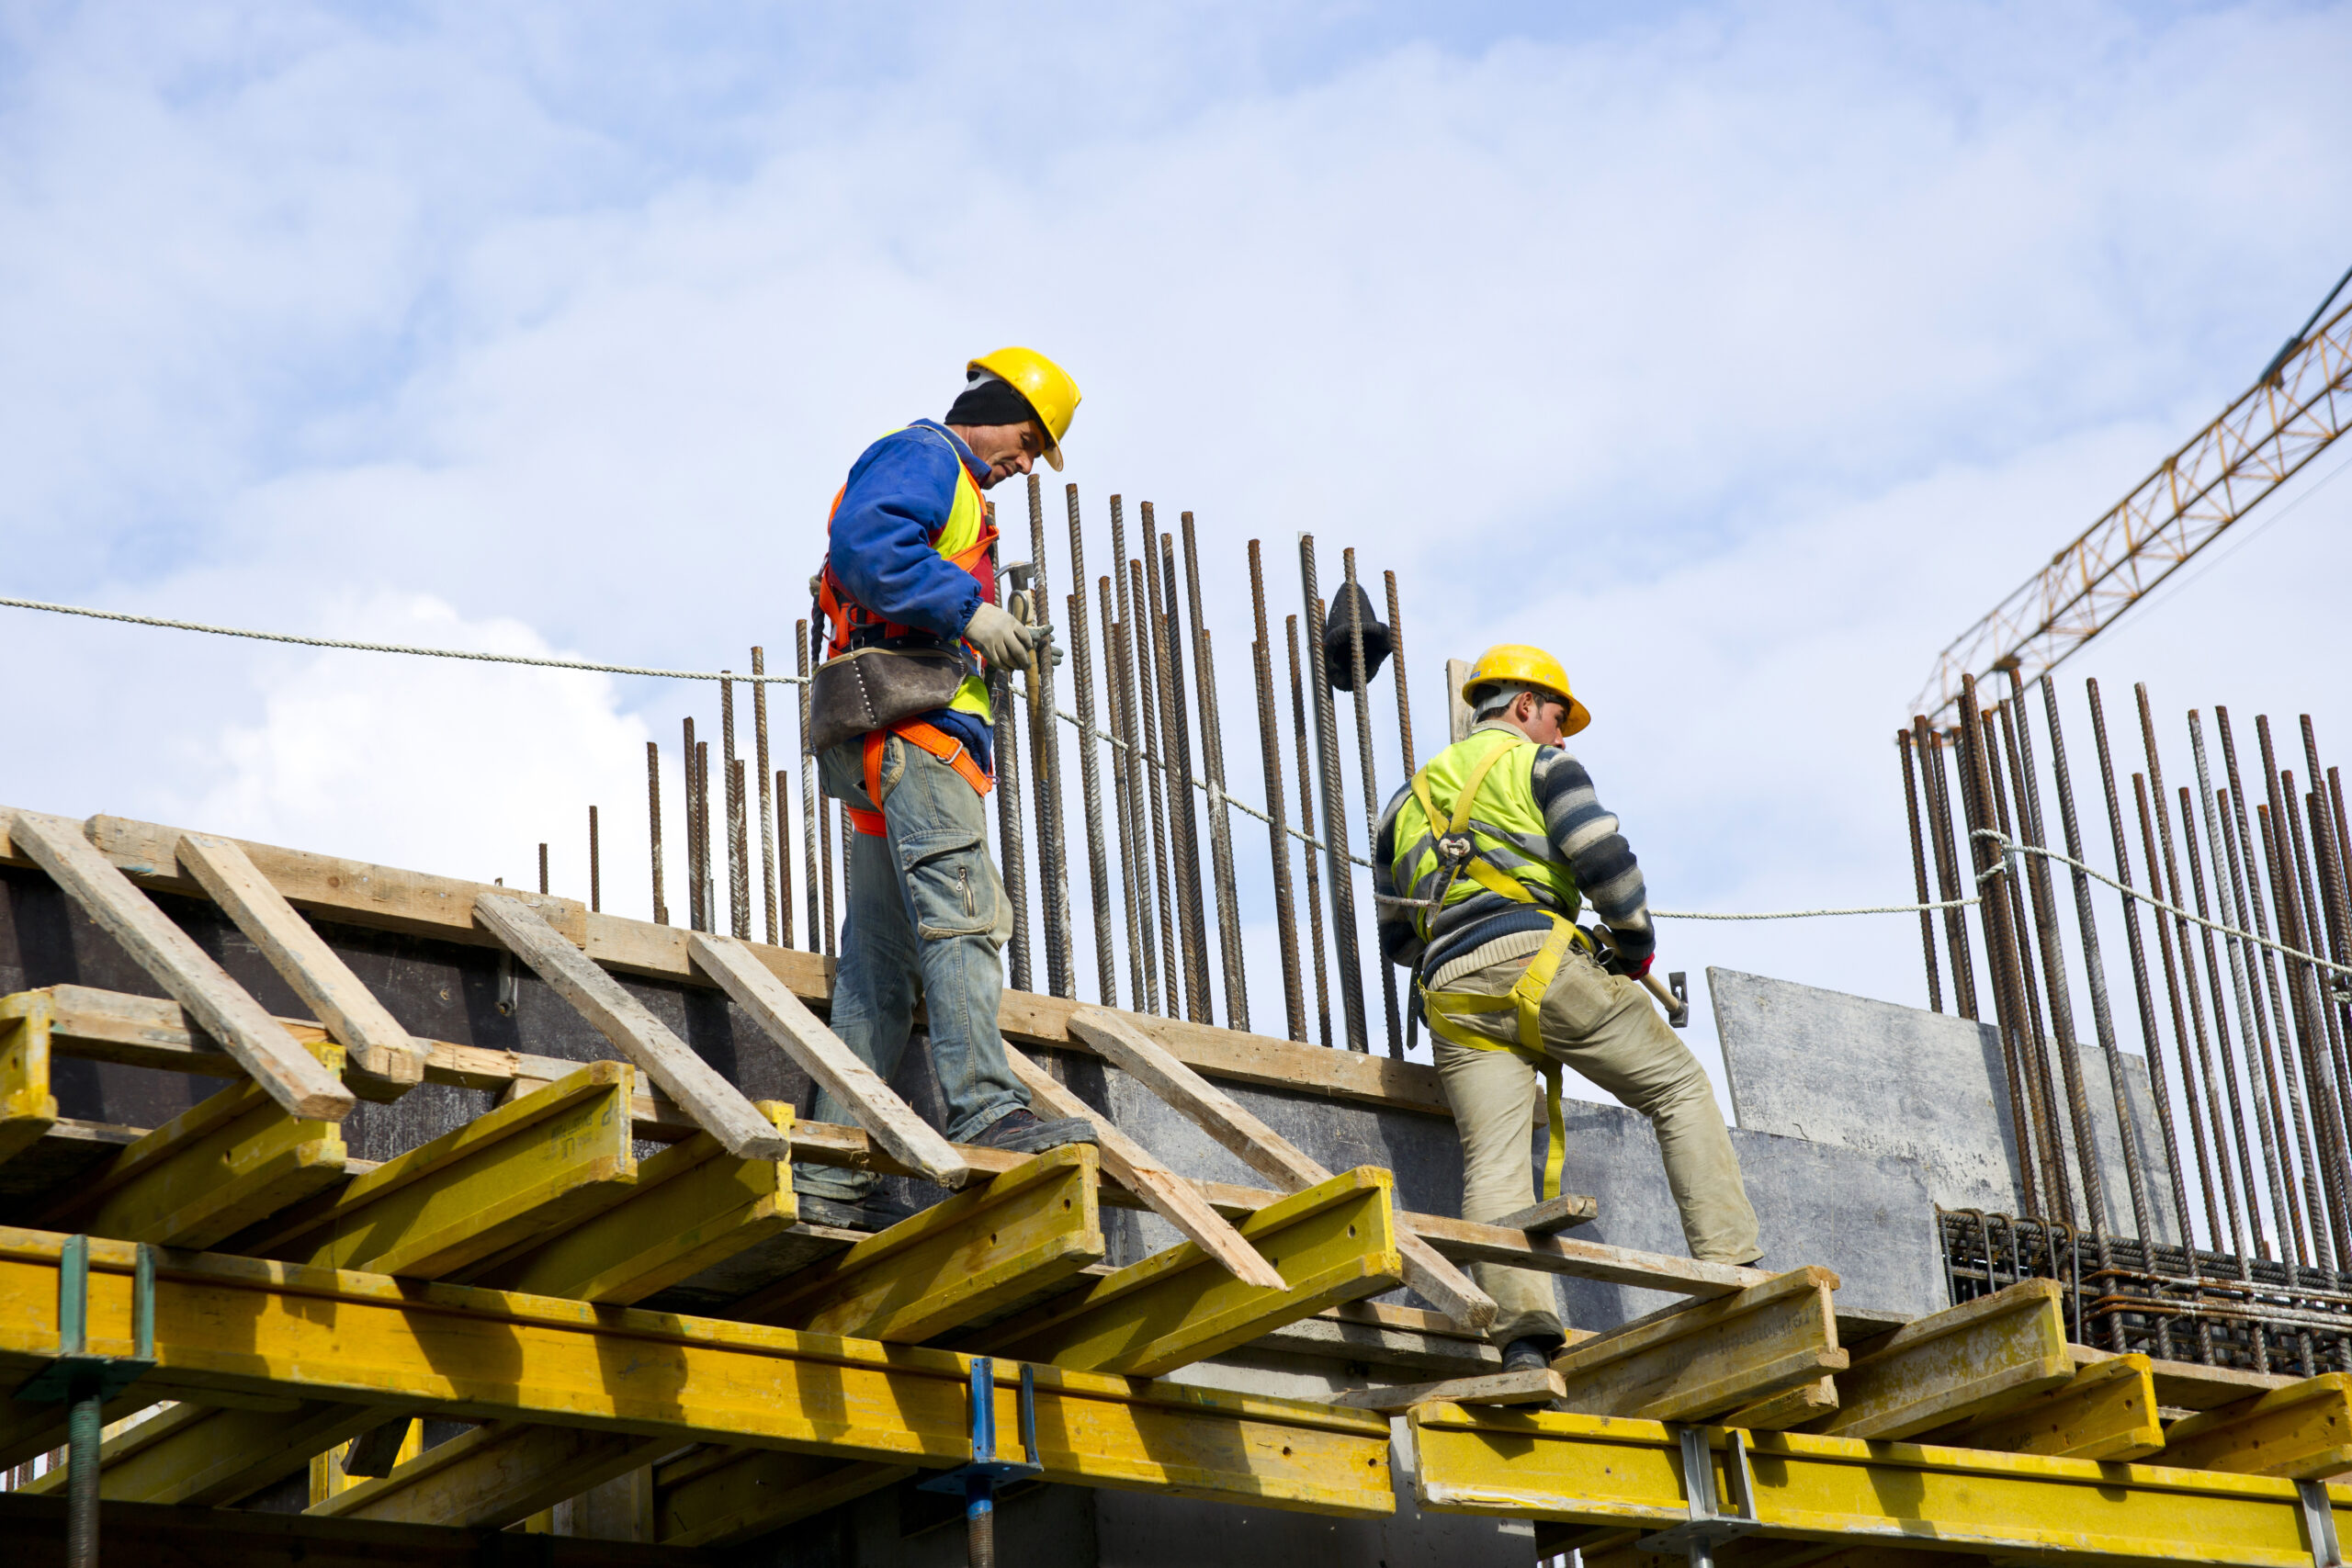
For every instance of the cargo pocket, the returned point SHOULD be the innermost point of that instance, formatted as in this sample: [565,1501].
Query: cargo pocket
[953,887]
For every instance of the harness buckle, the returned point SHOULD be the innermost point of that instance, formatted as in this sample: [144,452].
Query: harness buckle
[1455,849]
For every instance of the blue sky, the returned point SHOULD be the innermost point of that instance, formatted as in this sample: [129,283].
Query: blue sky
[1743,354]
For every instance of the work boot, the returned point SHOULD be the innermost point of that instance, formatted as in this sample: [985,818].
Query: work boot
[1530,1355]
[1022,1133]
[877,1210]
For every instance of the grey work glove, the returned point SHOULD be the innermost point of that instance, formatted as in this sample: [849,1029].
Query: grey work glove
[1002,640]
[1042,637]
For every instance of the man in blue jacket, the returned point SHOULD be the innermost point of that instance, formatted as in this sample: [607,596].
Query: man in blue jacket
[910,564]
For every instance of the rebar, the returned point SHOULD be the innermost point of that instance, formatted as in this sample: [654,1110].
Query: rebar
[1936,780]
[702,814]
[1143,781]
[1396,673]
[1045,773]
[782,859]
[2238,1119]
[1098,865]
[2042,1090]
[1134,901]
[653,827]
[2327,868]
[1157,784]
[1307,825]
[1335,812]
[738,858]
[812,824]
[767,820]
[543,869]
[694,833]
[596,867]
[1228,897]
[1919,873]
[1278,828]
[2316,1115]
[2317,877]
[1176,753]
[1993,874]
[1365,772]
[1009,826]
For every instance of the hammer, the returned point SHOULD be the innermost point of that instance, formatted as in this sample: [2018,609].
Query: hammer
[1673,993]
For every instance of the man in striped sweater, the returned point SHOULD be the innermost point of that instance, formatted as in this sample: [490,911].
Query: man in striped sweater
[1482,864]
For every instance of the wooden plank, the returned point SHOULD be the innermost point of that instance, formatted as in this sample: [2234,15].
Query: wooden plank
[1982,1357]
[384,1063]
[1389,1339]
[481,1355]
[825,1057]
[1465,1241]
[524,1170]
[493,1476]
[27,1109]
[717,1498]
[645,1040]
[1266,1151]
[292,1076]
[1792,1408]
[1553,1214]
[1541,1387]
[208,1456]
[1334,1242]
[983,1250]
[220,1166]
[2107,1411]
[1169,1196]
[1711,1357]
[2302,1432]
[691,1207]
[2191,1385]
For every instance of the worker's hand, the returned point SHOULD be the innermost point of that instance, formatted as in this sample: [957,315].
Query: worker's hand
[1634,971]
[1043,638]
[1003,641]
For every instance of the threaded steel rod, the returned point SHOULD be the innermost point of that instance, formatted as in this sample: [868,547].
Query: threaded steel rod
[767,804]
[1306,825]
[812,825]
[1156,785]
[1228,896]
[782,859]
[1046,773]
[1366,772]
[653,827]
[1090,779]
[1335,811]
[1278,831]
[1132,900]
[1920,870]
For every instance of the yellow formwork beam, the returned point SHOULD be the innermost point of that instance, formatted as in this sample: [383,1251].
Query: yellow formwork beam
[714,1496]
[1702,1360]
[2302,1431]
[243,1325]
[1333,1242]
[207,1455]
[27,1109]
[985,1249]
[531,1167]
[1618,1471]
[228,1161]
[692,1205]
[493,1476]
[1978,1359]
[2109,1411]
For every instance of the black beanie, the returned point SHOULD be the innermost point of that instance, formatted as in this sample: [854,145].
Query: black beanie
[990,400]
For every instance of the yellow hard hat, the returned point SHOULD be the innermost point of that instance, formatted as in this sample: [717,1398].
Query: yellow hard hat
[1046,385]
[1527,666]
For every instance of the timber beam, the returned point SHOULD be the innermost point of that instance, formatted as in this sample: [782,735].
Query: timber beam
[247,1327]
[1620,1473]
[493,1476]
[28,1109]
[207,1455]
[2302,1431]
[1980,1359]
[2107,1410]
[1702,1360]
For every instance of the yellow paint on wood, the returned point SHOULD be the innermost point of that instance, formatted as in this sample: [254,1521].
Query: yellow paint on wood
[2302,1432]
[1974,1360]
[1334,1242]
[692,1205]
[2107,1411]
[1792,1407]
[27,1109]
[545,1161]
[1704,1359]
[490,1477]
[713,1498]
[208,1456]
[987,1247]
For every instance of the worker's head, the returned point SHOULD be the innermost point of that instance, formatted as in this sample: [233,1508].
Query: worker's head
[1014,408]
[1527,689]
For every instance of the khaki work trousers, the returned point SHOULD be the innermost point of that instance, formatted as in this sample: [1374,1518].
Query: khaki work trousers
[1605,1028]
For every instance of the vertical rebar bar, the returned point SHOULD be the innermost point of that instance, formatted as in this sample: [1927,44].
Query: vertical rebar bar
[812,823]
[1366,773]
[1278,828]
[1090,778]
[2319,892]
[782,858]
[1045,753]
[1937,778]
[2316,1119]
[1158,783]
[702,814]
[1993,874]
[2041,1088]
[1009,832]
[653,827]
[1228,896]
[739,858]
[1176,750]
[1919,873]
[1396,673]
[543,868]
[1143,786]
[1307,825]
[767,818]
[2237,1119]
[1135,900]
[595,866]
[1335,808]
[694,834]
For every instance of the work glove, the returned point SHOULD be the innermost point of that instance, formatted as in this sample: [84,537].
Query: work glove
[1043,638]
[1003,641]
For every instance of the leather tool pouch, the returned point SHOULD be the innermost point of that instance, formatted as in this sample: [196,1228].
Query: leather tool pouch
[872,688]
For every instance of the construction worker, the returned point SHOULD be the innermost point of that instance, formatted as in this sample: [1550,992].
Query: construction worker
[1501,840]
[911,566]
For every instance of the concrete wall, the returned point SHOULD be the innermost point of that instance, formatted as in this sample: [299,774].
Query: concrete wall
[1851,1072]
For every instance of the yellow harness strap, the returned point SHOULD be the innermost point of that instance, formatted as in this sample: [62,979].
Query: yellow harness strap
[1526,995]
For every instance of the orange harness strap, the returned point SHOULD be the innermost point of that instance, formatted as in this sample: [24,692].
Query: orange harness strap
[932,739]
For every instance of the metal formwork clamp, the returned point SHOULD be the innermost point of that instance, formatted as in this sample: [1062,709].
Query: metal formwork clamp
[1709,1524]
[976,1481]
[2319,1523]
[76,1372]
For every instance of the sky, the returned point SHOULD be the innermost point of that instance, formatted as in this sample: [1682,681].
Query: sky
[1743,354]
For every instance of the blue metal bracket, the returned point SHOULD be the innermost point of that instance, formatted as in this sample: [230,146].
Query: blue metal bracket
[978,1478]
[76,1373]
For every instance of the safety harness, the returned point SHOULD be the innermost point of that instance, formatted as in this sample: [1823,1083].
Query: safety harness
[1460,855]
[932,739]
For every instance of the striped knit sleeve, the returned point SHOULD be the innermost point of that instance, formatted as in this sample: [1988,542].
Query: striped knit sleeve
[1585,834]
[1399,943]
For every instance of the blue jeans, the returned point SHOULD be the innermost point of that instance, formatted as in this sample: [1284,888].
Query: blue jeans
[927,919]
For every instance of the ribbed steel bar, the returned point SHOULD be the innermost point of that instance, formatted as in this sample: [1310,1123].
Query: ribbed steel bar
[2042,1087]
[706,872]
[1090,775]
[1143,783]
[783,857]
[1158,783]
[1135,900]
[1176,752]
[1404,743]
[2150,1033]
[2270,1023]
[595,866]
[767,804]
[1920,872]
[2127,1124]
[1937,778]
[1278,832]
[1009,831]
[2327,870]
[739,867]
[1045,773]
[2267,1134]
[812,824]
[694,834]
[653,827]
[2318,893]
[2238,1121]
[1228,896]
[1335,808]
[2018,721]
[1307,825]
[543,869]
[2282,851]
[1366,773]
[1994,872]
